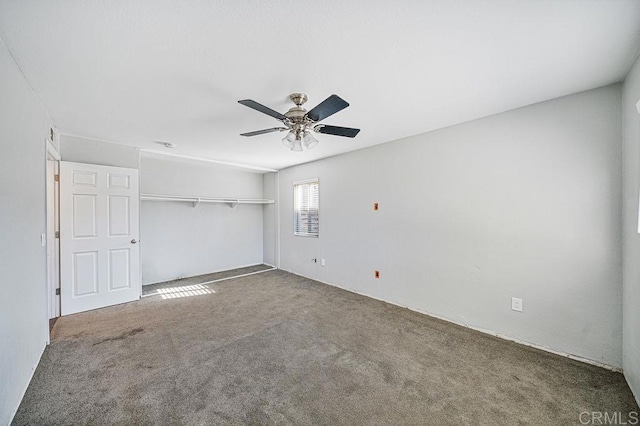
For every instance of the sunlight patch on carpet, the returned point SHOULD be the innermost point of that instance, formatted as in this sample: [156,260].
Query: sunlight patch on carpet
[184,291]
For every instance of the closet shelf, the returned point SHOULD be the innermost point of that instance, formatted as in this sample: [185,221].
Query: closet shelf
[232,202]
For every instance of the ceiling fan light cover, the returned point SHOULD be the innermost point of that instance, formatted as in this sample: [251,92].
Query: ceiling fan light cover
[297,146]
[309,141]
[288,140]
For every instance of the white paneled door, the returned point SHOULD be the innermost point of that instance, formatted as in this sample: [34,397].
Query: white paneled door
[99,251]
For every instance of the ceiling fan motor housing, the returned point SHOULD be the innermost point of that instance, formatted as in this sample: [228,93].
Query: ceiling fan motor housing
[298,115]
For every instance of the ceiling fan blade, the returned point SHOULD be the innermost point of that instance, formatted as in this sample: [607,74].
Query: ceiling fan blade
[328,107]
[262,132]
[336,130]
[263,109]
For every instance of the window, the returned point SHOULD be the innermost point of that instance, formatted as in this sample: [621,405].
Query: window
[305,208]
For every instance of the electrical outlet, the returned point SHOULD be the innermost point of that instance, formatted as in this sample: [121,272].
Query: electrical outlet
[516,304]
[322,262]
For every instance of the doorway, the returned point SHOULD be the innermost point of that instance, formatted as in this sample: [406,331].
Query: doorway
[53,233]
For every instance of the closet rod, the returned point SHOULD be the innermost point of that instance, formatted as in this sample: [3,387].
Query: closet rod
[197,200]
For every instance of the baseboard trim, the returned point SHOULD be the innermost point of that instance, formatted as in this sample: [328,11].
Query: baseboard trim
[272,268]
[478,329]
[239,276]
[207,273]
[24,391]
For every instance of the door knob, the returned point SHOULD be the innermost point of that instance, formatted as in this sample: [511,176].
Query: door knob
[134,241]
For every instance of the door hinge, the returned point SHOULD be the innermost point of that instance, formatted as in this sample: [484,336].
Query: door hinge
[58,291]
[57,234]
[56,178]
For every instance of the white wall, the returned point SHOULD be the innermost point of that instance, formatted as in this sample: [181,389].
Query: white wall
[269,219]
[178,240]
[631,239]
[83,150]
[24,124]
[524,204]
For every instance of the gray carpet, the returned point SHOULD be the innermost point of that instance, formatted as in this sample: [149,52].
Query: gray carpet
[276,348]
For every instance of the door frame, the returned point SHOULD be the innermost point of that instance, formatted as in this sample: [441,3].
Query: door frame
[52,201]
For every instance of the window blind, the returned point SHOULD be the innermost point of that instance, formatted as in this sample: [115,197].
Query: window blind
[306,198]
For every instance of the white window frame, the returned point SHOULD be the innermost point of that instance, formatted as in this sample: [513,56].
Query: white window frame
[295,231]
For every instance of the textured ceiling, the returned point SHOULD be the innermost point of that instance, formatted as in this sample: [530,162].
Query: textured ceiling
[136,72]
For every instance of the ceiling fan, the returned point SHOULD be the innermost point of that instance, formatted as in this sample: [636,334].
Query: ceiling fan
[299,122]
